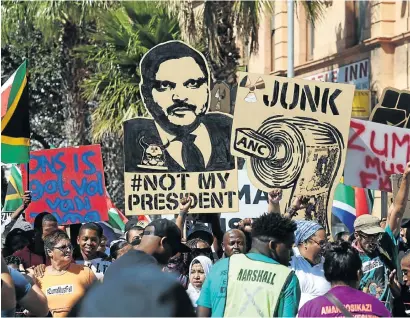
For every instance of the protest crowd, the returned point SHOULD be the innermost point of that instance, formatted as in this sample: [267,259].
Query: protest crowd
[170,253]
[188,266]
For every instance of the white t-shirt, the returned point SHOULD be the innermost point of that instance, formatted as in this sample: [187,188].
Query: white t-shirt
[97,265]
[311,278]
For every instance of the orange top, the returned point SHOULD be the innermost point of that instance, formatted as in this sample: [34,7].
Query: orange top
[64,290]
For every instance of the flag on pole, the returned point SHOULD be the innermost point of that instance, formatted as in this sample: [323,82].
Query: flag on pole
[351,202]
[15,126]
[14,196]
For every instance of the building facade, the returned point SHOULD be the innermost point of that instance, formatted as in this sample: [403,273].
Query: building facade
[365,43]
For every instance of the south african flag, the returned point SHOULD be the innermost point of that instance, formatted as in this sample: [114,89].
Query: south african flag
[15,126]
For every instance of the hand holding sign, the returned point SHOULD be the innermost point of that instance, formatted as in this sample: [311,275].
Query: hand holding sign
[26,198]
[69,183]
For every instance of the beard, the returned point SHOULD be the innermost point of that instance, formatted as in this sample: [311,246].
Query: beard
[161,117]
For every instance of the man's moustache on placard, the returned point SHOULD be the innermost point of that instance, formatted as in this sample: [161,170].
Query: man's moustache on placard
[171,109]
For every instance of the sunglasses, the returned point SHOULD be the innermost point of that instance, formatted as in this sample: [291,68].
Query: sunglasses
[64,248]
[201,251]
[371,238]
[321,244]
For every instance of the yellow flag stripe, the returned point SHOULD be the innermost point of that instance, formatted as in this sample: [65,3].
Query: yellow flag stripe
[13,182]
[15,141]
[13,107]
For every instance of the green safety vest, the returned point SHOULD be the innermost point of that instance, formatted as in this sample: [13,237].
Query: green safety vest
[254,287]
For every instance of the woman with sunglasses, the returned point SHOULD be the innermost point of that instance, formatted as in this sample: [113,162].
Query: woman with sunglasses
[307,261]
[200,248]
[63,282]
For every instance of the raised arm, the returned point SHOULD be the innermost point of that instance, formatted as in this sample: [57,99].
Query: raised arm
[274,198]
[184,207]
[396,210]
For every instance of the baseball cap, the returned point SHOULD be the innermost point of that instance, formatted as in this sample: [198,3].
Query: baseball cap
[200,230]
[368,224]
[132,221]
[405,224]
[168,229]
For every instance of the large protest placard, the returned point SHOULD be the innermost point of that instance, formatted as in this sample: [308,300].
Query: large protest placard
[395,183]
[393,108]
[69,183]
[294,133]
[182,149]
[375,152]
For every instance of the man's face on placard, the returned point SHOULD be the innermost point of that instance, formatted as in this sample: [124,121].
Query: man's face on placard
[181,91]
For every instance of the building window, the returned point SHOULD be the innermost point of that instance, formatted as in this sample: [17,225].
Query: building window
[310,29]
[359,20]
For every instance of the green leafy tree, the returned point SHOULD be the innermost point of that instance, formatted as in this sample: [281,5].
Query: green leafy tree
[118,42]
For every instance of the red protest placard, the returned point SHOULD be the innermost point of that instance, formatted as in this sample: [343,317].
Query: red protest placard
[69,183]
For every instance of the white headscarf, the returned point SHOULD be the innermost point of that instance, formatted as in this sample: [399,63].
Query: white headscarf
[192,291]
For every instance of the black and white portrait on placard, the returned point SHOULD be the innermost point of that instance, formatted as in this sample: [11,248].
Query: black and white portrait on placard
[181,135]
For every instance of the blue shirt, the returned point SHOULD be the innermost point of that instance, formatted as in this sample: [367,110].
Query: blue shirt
[214,289]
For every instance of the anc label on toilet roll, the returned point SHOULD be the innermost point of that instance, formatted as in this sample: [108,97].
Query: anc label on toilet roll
[294,134]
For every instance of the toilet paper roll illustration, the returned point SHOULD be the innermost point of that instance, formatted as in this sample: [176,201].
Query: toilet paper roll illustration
[298,153]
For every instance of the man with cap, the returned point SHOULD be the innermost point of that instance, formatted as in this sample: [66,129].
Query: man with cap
[160,241]
[378,247]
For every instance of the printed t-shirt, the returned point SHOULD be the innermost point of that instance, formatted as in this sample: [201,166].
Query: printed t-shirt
[312,279]
[214,289]
[375,278]
[63,291]
[358,303]
[97,265]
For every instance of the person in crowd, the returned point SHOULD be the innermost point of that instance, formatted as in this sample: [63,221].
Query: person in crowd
[8,291]
[30,299]
[119,248]
[88,240]
[16,263]
[63,282]
[44,224]
[17,243]
[136,290]
[234,242]
[307,262]
[134,235]
[199,247]
[198,228]
[160,241]
[378,247]
[403,244]
[8,224]
[343,270]
[179,265]
[400,289]
[258,283]
[342,236]
[102,248]
[198,270]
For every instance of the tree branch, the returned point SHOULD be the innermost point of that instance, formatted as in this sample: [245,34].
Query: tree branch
[40,139]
